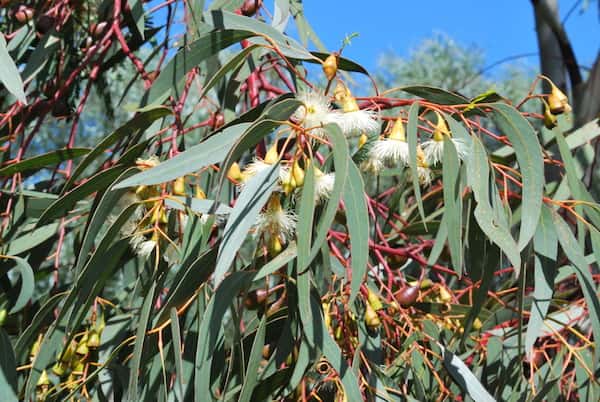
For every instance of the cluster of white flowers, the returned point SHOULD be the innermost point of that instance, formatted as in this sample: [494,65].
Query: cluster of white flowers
[393,150]
[316,111]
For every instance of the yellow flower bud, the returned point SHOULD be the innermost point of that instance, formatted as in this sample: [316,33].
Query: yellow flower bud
[298,174]
[160,216]
[349,104]
[289,184]
[275,246]
[371,318]
[43,380]
[272,155]
[445,296]
[441,128]
[330,66]
[374,300]
[398,132]
[550,120]
[82,347]
[3,315]
[94,339]
[558,101]
[234,173]
[59,369]
[326,315]
[179,186]
[362,140]
[477,324]
[341,92]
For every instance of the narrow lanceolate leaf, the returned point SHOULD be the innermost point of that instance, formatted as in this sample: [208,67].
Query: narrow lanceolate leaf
[341,159]
[529,156]
[251,377]
[573,251]
[212,150]
[188,57]
[8,369]
[478,171]
[140,336]
[306,212]
[211,330]
[9,74]
[545,244]
[465,377]
[27,282]
[450,174]
[357,219]
[413,121]
[133,127]
[254,196]
[44,160]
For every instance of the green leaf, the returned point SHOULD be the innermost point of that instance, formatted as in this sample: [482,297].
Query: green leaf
[27,282]
[253,197]
[32,239]
[436,95]
[41,55]
[412,126]
[211,329]
[197,205]
[341,160]
[545,244]
[40,161]
[226,20]
[140,336]
[531,163]
[131,129]
[357,219]
[306,212]
[479,179]
[212,150]
[176,334]
[573,251]
[450,174]
[190,56]
[251,376]
[9,74]
[464,377]
[99,182]
[8,369]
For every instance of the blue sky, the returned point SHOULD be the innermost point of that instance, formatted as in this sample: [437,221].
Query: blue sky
[500,28]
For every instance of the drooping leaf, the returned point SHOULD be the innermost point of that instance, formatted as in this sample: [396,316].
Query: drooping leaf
[9,74]
[44,160]
[27,282]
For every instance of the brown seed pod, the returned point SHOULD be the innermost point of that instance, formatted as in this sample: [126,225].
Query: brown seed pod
[23,14]
[45,23]
[407,296]
[250,7]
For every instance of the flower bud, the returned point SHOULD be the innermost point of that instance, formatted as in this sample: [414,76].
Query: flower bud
[298,174]
[330,66]
[43,380]
[272,155]
[94,339]
[275,246]
[362,140]
[60,369]
[234,173]
[23,14]
[371,318]
[477,324]
[445,296]
[441,128]
[550,120]
[3,315]
[374,300]
[398,132]
[82,347]
[288,184]
[558,101]
[179,186]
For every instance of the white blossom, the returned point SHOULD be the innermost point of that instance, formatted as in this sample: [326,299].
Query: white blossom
[315,112]
[323,185]
[434,150]
[390,151]
[357,122]
[276,221]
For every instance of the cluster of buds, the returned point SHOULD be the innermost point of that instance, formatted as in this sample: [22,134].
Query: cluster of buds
[556,103]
